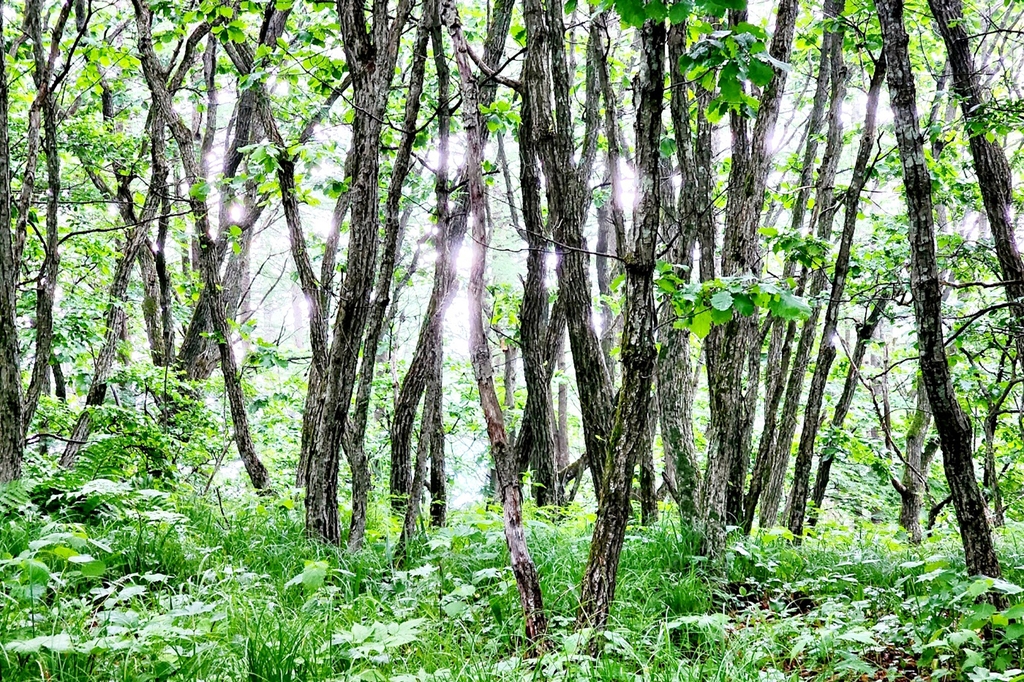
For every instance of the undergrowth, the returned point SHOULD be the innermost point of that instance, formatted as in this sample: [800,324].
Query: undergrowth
[114,581]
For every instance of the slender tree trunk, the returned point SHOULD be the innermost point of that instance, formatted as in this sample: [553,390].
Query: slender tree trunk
[917,456]
[371,53]
[116,316]
[865,332]
[505,459]
[675,384]
[10,375]
[209,261]
[825,209]
[953,424]
[631,431]
[728,347]
[995,179]
[430,424]
[782,332]
[546,78]
[452,226]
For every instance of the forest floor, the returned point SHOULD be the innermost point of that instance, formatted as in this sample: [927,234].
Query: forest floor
[144,585]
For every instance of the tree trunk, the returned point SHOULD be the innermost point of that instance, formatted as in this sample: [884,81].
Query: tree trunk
[865,332]
[505,460]
[10,376]
[953,425]
[546,79]
[209,261]
[371,56]
[825,209]
[430,424]
[918,458]
[782,332]
[452,226]
[728,347]
[631,431]
[995,178]
[116,316]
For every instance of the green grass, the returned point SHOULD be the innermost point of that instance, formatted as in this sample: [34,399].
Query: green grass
[207,589]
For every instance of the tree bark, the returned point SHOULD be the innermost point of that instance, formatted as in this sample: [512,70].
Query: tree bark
[995,179]
[630,434]
[865,332]
[209,261]
[953,424]
[728,347]
[769,452]
[452,226]
[825,209]
[505,459]
[546,79]
[10,376]
[371,53]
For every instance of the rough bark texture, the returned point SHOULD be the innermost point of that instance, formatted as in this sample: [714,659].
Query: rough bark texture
[452,226]
[630,435]
[728,347]
[536,444]
[995,179]
[825,209]
[917,456]
[354,446]
[505,460]
[430,424]
[10,376]
[546,78]
[952,423]
[675,384]
[371,52]
[769,453]
[209,261]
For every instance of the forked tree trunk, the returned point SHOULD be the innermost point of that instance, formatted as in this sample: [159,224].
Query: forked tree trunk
[209,261]
[505,460]
[995,179]
[116,315]
[630,434]
[952,422]
[728,347]
[371,54]
[567,165]
[452,226]
[918,456]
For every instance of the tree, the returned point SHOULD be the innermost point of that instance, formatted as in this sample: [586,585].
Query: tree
[952,423]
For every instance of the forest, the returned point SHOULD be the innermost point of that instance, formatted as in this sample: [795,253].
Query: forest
[456,340]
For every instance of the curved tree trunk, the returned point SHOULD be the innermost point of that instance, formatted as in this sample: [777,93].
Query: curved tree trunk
[953,425]
[865,332]
[505,459]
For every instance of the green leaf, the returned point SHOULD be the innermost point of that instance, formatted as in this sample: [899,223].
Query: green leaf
[722,301]
[790,307]
[743,304]
[570,6]
[760,72]
[667,147]
[678,12]
[701,324]
[200,190]
[729,83]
